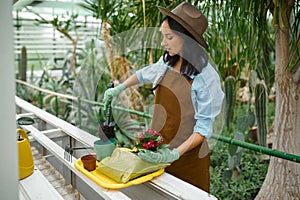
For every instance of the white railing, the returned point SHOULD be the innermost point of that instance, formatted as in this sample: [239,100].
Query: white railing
[161,187]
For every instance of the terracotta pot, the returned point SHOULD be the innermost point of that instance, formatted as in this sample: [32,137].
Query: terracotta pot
[89,162]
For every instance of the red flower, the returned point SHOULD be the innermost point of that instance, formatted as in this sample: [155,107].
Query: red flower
[144,145]
[142,136]
[150,131]
[150,140]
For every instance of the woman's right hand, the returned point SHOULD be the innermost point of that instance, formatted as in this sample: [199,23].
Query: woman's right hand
[112,93]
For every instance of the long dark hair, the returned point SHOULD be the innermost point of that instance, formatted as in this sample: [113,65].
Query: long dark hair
[192,64]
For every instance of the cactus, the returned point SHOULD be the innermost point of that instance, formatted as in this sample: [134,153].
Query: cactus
[251,82]
[235,152]
[242,123]
[251,118]
[23,64]
[230,96]
[261,112]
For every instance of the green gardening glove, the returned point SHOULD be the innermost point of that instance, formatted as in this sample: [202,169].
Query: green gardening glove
[165,155]
[112,92]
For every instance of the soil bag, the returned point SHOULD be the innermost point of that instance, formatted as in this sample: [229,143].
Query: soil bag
[124,165]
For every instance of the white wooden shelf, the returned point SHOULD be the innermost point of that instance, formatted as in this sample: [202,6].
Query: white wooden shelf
[36,186]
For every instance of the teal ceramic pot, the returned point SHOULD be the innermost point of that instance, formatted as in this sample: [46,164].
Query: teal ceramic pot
[104,149]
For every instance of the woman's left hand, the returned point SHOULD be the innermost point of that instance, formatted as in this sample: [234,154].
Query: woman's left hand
[165,155]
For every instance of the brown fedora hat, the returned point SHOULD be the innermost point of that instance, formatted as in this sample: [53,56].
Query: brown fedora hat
[191,18]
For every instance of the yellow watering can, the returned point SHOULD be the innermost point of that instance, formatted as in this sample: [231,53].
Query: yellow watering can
[26,164]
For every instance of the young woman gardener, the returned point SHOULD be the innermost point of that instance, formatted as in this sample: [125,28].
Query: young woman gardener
[188,95]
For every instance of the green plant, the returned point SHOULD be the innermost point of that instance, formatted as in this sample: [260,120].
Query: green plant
[244,186]
[230,95]
[235,155]
[26,93]
[54,104]
[23,64]
[261,99]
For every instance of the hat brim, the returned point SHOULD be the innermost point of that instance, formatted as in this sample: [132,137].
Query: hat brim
[198,37]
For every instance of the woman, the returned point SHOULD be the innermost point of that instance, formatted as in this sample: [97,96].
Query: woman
[188,96]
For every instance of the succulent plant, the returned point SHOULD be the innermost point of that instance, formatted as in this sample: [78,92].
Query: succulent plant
[261,112]
[230,95]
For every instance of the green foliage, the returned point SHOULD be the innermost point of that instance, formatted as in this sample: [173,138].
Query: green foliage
[240,36]
[235,153]
[123,140]
[57,106]
[27,94]
[239,170]
[64,23]
[100,9]
[242,123]
[224,182]
[134,17]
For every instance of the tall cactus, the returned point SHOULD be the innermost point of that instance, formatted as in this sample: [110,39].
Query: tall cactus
[23,64]
[261,112]
[230,95]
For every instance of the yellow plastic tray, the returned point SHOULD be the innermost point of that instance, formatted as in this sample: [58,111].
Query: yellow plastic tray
[107,182]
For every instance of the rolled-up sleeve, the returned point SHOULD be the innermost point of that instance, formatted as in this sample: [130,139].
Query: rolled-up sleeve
[207,98]
[151,73]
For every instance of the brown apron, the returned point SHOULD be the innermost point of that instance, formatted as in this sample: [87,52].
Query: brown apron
[173,117]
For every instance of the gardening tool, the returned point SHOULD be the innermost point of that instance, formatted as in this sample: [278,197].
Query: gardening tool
[69,151]
[26,164]
[106,130]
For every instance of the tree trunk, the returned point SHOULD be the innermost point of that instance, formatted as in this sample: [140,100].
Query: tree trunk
[283,178]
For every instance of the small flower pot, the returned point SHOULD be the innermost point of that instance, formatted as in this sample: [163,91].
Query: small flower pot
[89,162]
